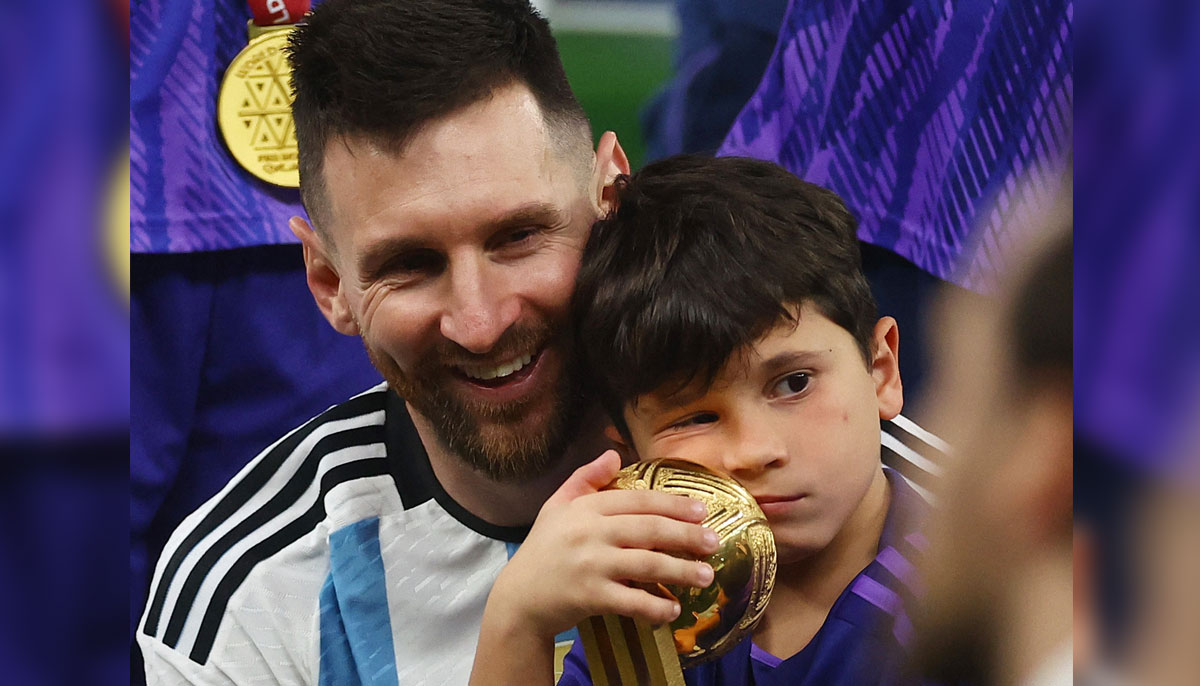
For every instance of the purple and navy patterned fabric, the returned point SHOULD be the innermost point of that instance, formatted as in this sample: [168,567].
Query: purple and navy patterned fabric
[938,123]
[187,193]
[864,640]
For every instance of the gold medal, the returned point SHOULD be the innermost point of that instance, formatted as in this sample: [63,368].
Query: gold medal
[254,110]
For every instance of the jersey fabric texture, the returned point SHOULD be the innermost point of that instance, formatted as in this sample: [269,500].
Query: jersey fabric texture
[335,557]
[186,192]
[863,641]
[294,572]
[929,119]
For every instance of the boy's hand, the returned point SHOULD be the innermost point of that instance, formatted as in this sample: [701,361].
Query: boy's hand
[587,545]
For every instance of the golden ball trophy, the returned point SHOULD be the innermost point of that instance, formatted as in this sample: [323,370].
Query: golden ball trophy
[712,620]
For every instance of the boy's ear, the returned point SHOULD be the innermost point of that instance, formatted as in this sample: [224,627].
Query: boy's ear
[619,444]
[323,278]
[610,163]
[885,368]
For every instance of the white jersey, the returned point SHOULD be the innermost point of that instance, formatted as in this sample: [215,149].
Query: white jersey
[334,557]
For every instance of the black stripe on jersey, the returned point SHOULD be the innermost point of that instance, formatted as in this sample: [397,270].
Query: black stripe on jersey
[287,496]
[274,543]
[914,441]
[407,453]
[244,489]
[910,471]
[417,483]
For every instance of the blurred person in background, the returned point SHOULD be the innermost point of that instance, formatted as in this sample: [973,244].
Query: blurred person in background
[999,566]
[226,341]
[64,342]
[1162,647]
[719,56]
[1136,318]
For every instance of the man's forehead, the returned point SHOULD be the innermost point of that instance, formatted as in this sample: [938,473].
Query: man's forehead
[508,122]
[438,178]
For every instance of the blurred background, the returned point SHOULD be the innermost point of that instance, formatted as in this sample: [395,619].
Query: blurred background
[667,77]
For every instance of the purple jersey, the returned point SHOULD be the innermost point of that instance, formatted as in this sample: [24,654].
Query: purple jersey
[186,192]
[925,117]
[865,638]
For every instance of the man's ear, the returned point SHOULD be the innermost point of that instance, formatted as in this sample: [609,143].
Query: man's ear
[323,279]
[610,163]
[885,367]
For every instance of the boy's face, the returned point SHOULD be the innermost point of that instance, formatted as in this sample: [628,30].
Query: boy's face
[794,418]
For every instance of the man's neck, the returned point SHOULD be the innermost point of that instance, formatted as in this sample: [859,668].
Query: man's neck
[507,503]
[806,590]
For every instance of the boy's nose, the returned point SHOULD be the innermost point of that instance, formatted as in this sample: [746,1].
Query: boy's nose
[759,447]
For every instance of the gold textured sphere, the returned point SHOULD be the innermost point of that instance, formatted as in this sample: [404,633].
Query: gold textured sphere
[713,620]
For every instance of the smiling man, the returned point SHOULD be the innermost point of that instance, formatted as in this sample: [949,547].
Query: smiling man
[450,179]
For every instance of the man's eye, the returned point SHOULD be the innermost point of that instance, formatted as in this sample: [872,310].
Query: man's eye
[415,263]
[520,236]
[792,384]
[696,419]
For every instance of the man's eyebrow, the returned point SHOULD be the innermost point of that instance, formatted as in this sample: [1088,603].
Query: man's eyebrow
[375,257]
[529,213]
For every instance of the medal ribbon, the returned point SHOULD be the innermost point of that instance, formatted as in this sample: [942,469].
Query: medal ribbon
[278,12]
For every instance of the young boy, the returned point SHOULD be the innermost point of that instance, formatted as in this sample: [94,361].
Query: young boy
[724,317]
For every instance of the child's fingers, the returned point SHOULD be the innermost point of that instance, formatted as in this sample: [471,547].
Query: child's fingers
[652,532]
[653,567]
[634,602]
[589,478]
[670,505]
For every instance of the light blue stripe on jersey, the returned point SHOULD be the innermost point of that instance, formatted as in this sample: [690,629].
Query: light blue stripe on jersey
[567,636]
[356,627]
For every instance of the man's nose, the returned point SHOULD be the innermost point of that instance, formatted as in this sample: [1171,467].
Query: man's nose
[479,307]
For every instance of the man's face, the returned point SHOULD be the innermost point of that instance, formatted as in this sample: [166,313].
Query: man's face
[794,418]
[457,258]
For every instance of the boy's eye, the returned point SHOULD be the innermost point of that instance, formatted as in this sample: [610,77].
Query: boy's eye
[696,419]
[792,384]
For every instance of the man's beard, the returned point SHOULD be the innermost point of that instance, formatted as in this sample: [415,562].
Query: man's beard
[492,438]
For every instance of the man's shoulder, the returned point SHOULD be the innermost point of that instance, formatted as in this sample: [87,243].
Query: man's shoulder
[269,526]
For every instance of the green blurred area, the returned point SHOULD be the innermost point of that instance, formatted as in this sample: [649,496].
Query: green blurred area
[613,75]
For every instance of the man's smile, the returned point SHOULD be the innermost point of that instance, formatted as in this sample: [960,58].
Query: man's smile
[498,373]
[509,381]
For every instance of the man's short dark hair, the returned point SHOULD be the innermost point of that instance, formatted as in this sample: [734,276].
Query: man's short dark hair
[380,69]
[704,256]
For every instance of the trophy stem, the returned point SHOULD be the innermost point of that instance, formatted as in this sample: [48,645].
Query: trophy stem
[626,652]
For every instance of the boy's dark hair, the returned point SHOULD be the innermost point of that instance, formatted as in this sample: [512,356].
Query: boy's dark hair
[380,69]
[702,257]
